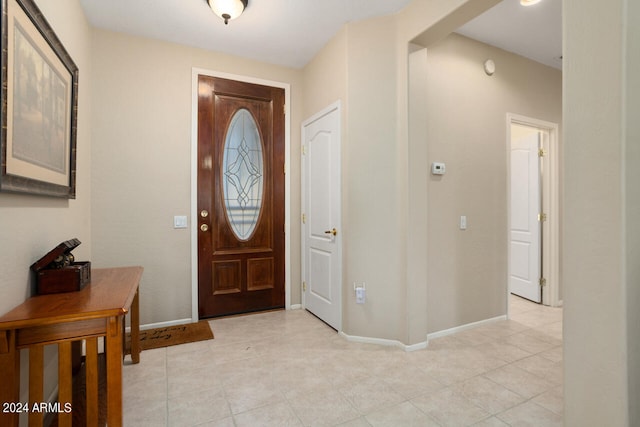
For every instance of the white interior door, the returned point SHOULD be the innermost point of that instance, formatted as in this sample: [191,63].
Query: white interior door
[525,205]
[321,232]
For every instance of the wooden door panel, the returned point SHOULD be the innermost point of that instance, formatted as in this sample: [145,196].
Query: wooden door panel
[227,277]
[240,266]
[260,273]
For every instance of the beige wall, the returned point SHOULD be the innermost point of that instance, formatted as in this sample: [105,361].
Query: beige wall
[384,227]
[467,128]
[601,276]
[420,24]
[372,254]
[632,211]
[31,226]
[324,83]
[141,161]
[134,176]
[362,78]
[325,76]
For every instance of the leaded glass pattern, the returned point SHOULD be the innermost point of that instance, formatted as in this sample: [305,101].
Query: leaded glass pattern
[243,174]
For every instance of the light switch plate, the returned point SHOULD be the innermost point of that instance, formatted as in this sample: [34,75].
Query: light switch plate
[180,221]
[463,222]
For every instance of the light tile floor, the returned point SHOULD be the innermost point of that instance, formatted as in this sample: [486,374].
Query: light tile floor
[287,368]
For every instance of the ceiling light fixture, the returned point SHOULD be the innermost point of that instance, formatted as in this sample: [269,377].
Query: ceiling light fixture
[529,2]
[228,9]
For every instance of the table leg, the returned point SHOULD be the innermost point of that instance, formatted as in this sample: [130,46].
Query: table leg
[92,381]
[135,329]
[114,353]
[65,385]
[10,371]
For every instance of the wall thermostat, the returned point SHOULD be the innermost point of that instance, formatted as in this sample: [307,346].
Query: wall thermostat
[437,168]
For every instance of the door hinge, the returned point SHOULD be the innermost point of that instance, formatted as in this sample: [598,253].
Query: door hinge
[541,152]
[284,109]
[304,150]
[542,282]
[542,217]
[304,219]
[304,286]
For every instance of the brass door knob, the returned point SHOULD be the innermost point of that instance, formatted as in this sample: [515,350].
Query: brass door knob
[204,227]
[332,231]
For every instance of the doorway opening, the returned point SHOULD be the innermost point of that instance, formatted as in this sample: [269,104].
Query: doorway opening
[533,210]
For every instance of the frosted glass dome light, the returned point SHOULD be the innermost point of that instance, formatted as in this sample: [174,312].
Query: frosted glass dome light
[228,9]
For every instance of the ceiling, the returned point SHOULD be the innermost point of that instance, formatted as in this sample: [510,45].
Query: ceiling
[291,32]
[283,32]
[534,31]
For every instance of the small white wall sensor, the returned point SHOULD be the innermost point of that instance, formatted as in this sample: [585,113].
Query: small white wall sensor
[489,67]
[438,168]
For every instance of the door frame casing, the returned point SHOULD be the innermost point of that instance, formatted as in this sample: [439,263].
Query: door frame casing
[193,225]
[550,188]
[335,106]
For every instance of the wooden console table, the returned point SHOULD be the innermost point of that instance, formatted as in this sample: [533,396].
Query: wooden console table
[96,311]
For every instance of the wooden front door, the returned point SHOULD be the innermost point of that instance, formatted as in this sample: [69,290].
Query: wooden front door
[240,197]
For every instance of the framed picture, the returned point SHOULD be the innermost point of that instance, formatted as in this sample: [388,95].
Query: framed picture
[40,103]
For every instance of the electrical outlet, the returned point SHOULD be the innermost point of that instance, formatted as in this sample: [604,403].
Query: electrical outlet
[361,292]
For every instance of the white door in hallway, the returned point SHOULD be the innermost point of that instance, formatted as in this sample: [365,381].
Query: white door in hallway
[321,232]
[525,206]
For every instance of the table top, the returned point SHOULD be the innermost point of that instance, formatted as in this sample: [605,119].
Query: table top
[110,293]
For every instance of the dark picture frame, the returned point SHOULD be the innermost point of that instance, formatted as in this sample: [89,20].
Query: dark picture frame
[39,106]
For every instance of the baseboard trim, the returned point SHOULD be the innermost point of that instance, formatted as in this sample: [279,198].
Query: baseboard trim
[185,321]
[162,324]
[461,328]
[385,342]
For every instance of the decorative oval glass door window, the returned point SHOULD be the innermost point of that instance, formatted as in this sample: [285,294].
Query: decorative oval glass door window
[243,174]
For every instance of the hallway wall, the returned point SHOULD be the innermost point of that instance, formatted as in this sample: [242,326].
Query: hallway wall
[467,129]
[602,204]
